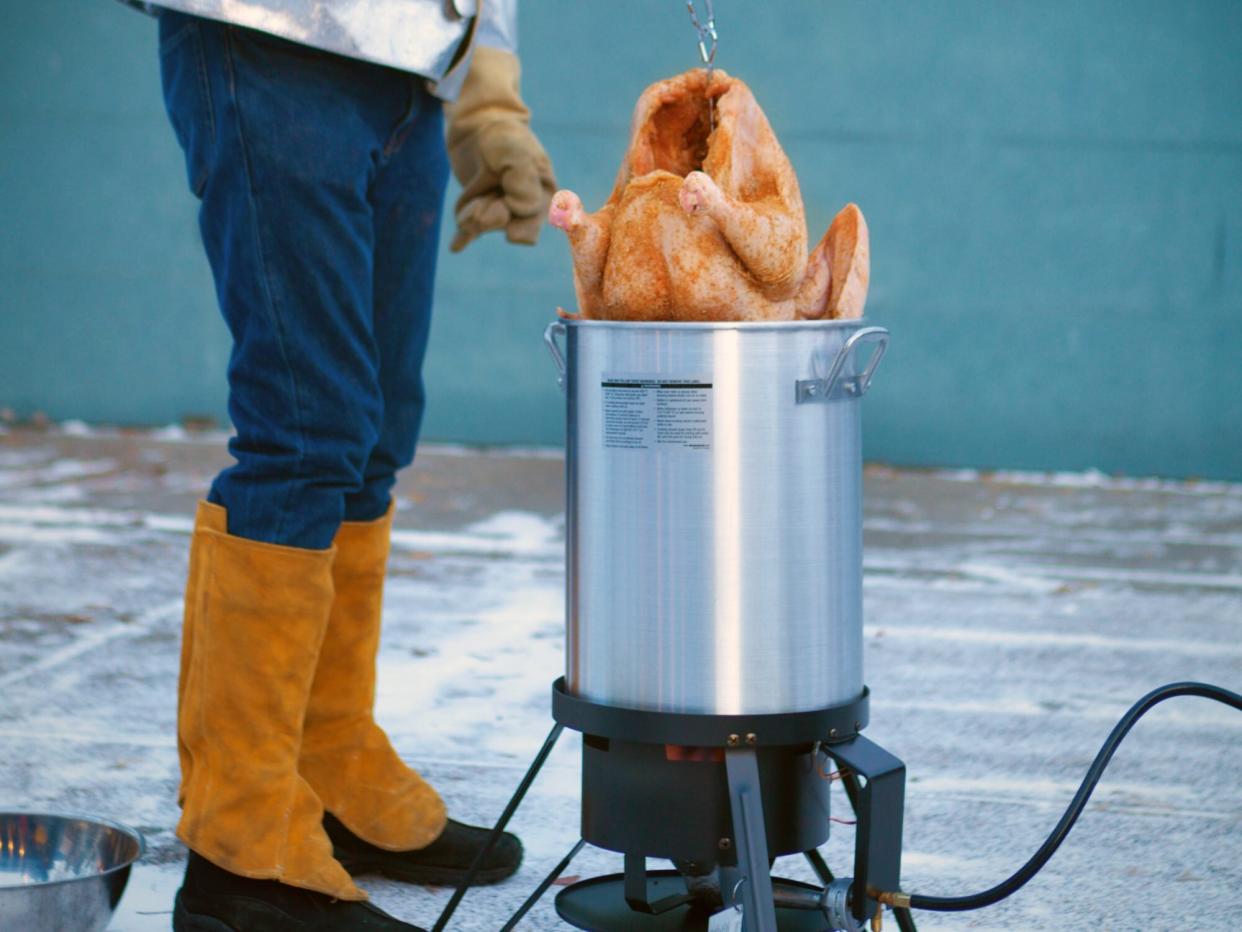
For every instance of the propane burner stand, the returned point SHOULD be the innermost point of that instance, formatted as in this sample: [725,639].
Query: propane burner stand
[713,538]
[721,796]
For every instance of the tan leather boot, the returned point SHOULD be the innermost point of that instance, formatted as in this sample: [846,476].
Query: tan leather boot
[346,758]
[254,622]
[212,518]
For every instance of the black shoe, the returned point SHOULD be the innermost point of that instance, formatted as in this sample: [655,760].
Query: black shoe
[444,862]
[213,900]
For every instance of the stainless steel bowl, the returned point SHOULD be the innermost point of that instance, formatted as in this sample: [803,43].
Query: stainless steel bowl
[61,872]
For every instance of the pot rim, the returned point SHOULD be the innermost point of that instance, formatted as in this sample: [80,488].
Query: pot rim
[706,325]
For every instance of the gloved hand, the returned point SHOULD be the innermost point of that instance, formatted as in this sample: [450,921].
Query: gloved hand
[506,177]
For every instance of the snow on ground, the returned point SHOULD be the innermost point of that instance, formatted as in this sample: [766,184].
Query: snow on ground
[1010,620]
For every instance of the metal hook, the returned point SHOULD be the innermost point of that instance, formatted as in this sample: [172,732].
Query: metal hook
[705,32]
[708,57]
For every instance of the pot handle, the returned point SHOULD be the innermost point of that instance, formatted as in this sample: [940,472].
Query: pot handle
[833,386]
[555,329]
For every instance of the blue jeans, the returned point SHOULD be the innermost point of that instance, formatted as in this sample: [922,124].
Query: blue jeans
[322,182]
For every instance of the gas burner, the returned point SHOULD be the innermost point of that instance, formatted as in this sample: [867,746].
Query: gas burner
[721,796]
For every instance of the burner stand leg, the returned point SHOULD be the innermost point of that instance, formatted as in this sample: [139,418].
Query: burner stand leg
[519,794]
[853,789]
[636,889]
[819,865]
[750,840]
[543,887]
[905,922]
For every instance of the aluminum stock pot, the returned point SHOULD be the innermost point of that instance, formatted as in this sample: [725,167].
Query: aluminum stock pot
[714,514]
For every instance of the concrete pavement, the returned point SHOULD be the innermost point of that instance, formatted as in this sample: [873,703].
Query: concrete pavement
[1010,620]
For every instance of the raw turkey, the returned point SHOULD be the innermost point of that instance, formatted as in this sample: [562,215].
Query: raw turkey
[707,225]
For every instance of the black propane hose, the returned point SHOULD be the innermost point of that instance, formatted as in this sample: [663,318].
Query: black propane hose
[1079,802]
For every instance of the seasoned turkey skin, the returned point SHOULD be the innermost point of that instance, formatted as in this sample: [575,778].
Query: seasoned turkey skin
[707,225]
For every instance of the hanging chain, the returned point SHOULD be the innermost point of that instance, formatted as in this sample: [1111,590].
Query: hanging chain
[707,34]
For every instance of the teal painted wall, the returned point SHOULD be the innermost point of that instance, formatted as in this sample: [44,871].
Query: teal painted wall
[1054,191]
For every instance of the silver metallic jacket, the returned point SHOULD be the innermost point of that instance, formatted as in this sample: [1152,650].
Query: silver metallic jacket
[428,37]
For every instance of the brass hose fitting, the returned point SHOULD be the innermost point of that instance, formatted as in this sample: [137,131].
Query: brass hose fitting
[897,900]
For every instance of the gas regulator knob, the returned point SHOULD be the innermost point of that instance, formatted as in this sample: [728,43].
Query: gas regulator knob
[835,904]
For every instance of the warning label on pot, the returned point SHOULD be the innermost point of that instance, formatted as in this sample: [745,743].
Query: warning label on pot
[657,413]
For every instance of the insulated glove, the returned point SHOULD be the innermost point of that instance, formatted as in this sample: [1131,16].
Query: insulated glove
[506,177]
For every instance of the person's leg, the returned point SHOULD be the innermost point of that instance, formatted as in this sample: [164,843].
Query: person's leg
[343,748]
[407,196]
[382,817]
[281,144]
[289,229]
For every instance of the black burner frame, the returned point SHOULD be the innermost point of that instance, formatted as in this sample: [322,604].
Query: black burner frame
[754,794]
